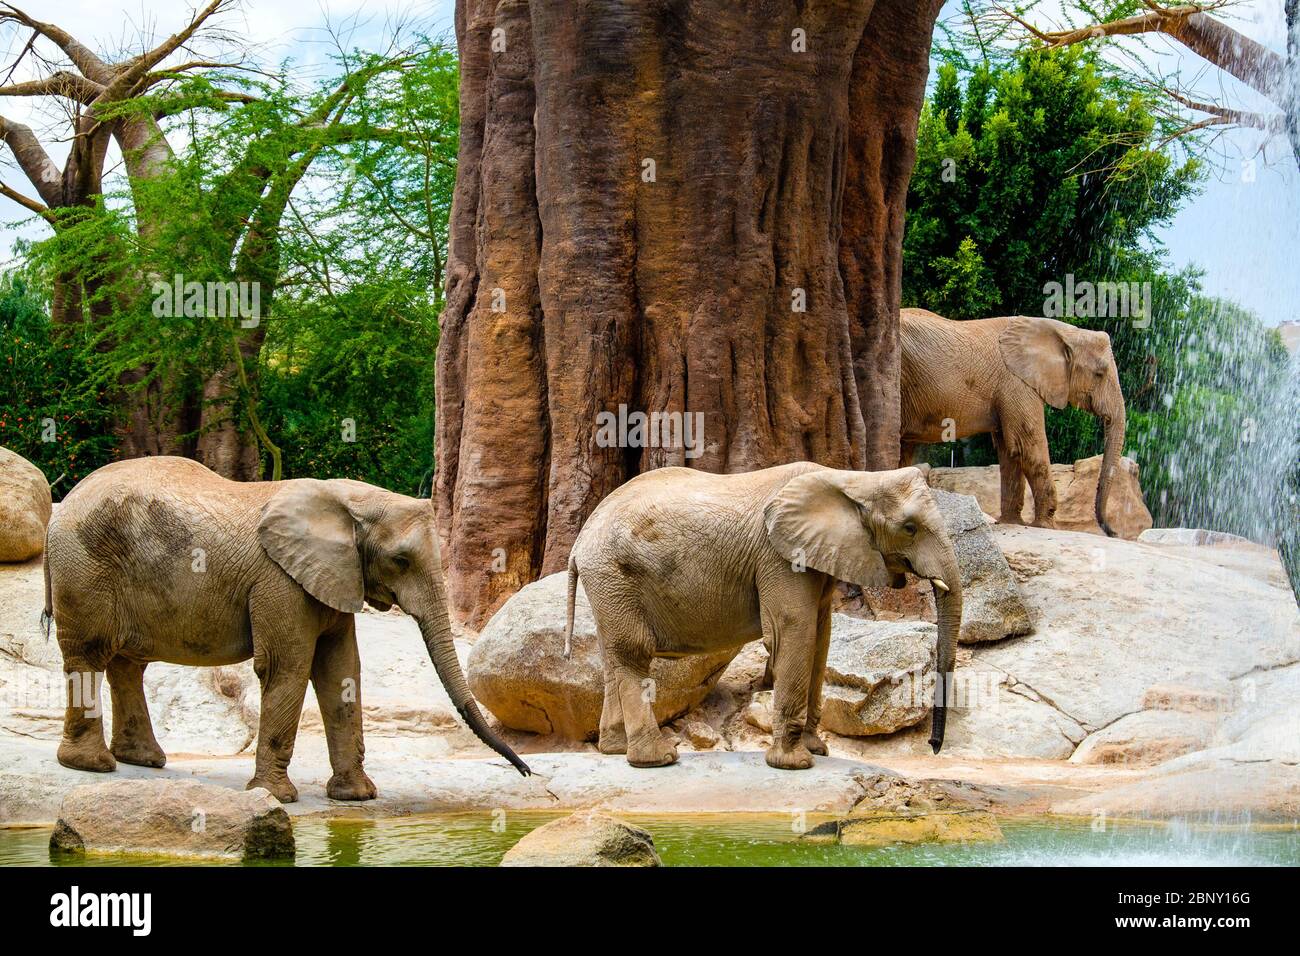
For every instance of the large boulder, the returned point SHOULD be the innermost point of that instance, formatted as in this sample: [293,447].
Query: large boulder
[878,675]
[24,507]
[992,605]
[518,671]
[586,838]
[172,818]
[1076,492]
[1121,627]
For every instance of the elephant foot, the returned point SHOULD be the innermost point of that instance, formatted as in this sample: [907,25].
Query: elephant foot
[1011,519]
[1044,523]
[612,741]
[281,787]
[140,754]
[659,752]
[798,757]
[814,744]
[86,755]
[352,785]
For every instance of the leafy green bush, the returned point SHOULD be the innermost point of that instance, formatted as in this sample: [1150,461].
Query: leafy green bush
[47,415]
[347,384]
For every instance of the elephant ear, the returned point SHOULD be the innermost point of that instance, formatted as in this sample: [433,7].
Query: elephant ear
[308,531]
[817,519]
[1037,353]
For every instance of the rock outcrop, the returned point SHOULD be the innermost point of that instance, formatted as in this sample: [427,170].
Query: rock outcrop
[518,671]
[1120,626]
[1076,491]
[879,676]
[587,838]
[172,818]
[24,507]
[896,810]
[992,605]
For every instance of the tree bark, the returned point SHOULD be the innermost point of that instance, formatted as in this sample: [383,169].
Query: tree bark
[679,206]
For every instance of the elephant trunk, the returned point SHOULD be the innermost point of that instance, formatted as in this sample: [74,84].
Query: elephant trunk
[948,606]
[938,563]
[435,628]
[1115,425]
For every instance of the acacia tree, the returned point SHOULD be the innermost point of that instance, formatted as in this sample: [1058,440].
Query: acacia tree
[92,90]
[213,214]
[676,207]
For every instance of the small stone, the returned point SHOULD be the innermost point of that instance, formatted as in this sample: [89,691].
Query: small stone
[700,734]
[965,826]
[586,838]
[172,818]
[758,712]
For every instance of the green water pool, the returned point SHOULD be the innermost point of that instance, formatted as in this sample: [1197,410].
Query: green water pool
[735,840]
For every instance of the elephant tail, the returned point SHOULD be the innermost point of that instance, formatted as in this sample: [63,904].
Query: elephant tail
[573,596]
[47,615]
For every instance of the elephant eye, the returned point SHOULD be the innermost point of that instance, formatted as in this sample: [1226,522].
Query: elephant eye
[910,528]
[401,562]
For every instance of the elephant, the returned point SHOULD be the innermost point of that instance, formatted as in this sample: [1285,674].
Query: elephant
[993,375]
[161,559]
[678,561]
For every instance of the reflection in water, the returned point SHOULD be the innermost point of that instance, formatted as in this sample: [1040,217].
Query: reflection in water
[480,839]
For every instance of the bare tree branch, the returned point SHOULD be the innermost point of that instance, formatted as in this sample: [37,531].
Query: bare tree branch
[1257,66]
[33,160]
[64,83]
[81,56]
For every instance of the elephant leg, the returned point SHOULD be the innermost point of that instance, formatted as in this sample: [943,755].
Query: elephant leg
[336,677]
[768,676]
[613,732]
[282,662]
[793,636]
[1037,465]
[811,740]
[628,644]
[133,739]
[82,746]
[1013,482]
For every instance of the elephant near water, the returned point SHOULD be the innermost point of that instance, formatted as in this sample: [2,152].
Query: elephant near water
[679,561]
[160,559]
[993,376]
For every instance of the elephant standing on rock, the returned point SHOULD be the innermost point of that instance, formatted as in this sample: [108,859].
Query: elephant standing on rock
[679,561]
[993,375]
[160,559]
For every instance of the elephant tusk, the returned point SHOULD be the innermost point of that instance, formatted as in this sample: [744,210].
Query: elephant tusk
[938,585]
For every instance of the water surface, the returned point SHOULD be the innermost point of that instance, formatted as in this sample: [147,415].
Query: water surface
[480,839]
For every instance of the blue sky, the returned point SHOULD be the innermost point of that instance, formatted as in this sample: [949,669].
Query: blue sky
[1243,230]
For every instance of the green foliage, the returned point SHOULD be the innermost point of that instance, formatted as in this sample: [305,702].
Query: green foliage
[46,415]
[1036,170]
[347,383]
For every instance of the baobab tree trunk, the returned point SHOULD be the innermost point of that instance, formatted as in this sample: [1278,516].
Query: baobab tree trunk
[683,206]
